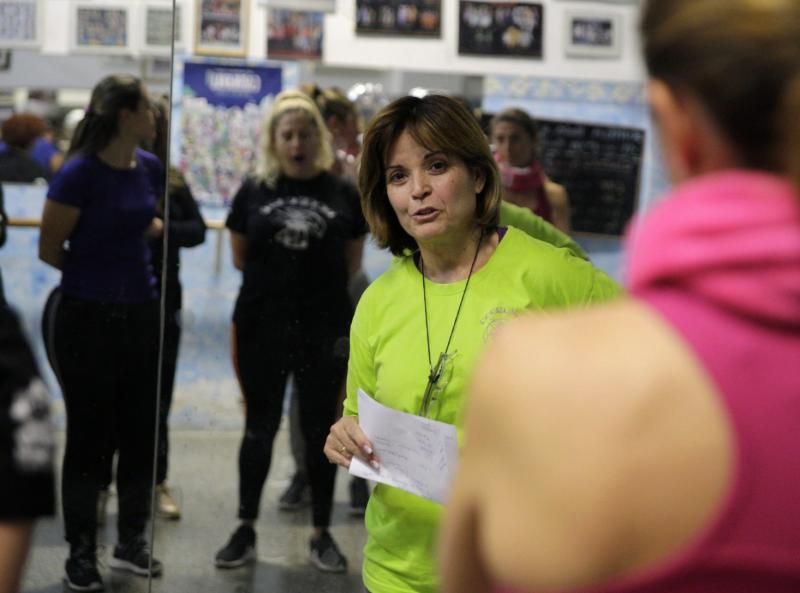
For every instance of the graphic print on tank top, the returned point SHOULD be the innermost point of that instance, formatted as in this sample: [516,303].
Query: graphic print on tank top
[299,220]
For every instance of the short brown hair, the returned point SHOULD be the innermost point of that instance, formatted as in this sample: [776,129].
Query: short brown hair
[741,60]
[21,130]
[436,122]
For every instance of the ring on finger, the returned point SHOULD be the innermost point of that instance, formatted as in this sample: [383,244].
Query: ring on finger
[342,449]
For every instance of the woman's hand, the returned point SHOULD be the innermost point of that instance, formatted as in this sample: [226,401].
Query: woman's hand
[346,440]
[156,228]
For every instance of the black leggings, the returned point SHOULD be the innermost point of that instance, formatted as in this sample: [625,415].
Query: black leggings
[169,365]
[172,339]
[105,357]
[266,353]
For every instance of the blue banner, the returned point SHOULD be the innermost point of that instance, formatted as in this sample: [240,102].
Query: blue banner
[222,114]
[225,85]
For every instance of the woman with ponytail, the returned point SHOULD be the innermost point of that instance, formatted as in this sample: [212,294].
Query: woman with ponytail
[651,445]
[101,324]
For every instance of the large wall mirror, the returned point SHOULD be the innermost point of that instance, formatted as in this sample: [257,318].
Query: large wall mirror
[167,477]
[96,338]
[207,110]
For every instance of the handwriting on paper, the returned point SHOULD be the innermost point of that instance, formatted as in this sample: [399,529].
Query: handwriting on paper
[416,454]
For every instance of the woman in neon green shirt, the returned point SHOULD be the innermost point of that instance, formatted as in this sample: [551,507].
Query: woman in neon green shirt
[431,192]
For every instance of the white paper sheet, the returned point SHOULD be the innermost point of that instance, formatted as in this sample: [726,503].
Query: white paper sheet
[416,454]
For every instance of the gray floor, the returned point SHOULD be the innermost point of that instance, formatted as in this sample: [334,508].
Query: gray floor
[203,477]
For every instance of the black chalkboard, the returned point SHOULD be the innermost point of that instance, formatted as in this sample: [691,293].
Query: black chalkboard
[600,167]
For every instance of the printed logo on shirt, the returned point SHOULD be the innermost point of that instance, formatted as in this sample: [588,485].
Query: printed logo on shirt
[494,318]
[33,432]
[300,219]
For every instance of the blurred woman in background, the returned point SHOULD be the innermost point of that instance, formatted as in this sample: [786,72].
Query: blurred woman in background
[184,227]
[515,138]
[297,234]
[341,120]
[101,325]
[19,133]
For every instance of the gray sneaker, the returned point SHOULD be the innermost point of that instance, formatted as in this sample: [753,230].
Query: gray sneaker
[296,495]
[134,556]
[325,554]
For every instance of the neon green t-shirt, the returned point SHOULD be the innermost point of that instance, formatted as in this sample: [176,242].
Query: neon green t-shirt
[537,227]
[389,360]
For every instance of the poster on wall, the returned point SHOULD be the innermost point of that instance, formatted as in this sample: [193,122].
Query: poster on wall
[294,34]
[101,29]
[592,34]
[221,28]
[223,106]
[19,23]
[500,29]
[158,27]
[326,6]
[419,18]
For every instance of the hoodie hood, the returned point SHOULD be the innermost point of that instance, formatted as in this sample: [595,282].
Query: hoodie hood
[731,238]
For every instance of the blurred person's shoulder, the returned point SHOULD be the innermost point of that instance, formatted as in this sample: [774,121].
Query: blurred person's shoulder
[610,406]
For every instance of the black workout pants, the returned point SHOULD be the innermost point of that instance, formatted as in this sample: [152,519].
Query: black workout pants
[267,352]
[105,357]
[169,365]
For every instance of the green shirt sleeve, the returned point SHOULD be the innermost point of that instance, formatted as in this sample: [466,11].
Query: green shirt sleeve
[538,228]
[360,364]
[570,281]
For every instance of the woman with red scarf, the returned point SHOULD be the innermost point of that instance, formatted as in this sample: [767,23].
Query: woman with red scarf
[515,136]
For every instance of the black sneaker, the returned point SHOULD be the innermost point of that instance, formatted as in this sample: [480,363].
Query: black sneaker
[296,495]
[81,569]
[325,554]
[359,496]
[134,556]
[240,549]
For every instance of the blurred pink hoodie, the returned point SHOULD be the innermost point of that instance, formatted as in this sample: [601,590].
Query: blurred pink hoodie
[719,260]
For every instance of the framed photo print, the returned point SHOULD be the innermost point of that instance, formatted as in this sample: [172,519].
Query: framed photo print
[327,6]
[417,18]
[221,28]
[294,34]
[101,28]
[157,28]
[592,34]
[20,23]
[500,29]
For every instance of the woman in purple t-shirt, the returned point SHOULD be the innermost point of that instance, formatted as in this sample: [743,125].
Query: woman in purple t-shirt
[101,324]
